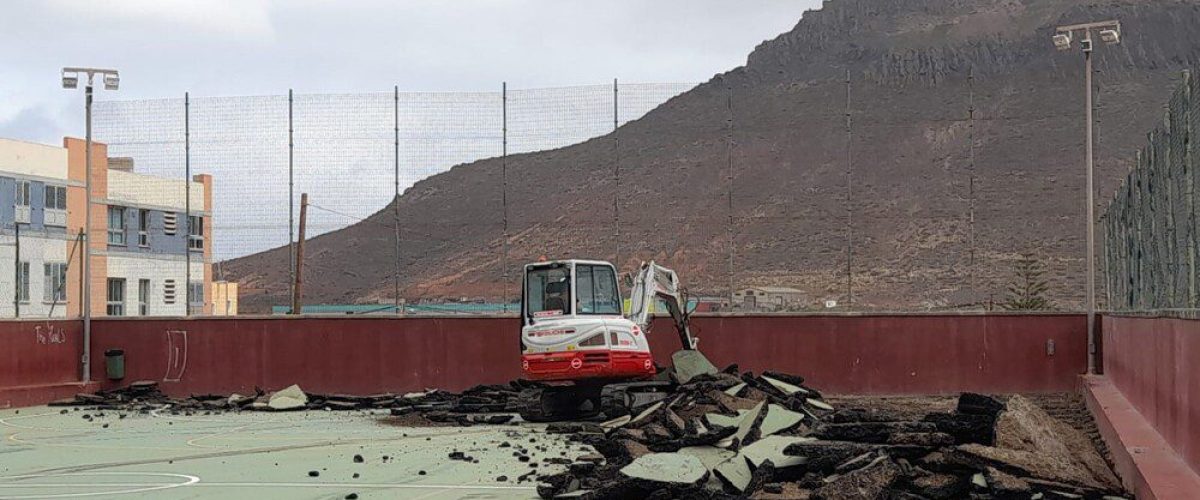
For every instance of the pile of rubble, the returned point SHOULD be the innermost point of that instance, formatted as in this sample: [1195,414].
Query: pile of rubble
[724,434]
[433,404]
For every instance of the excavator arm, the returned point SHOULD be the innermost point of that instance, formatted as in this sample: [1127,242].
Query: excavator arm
[657,282]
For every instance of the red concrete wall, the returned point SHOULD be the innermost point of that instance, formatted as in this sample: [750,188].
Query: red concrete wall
[838,354]
[899,354]
[36,354]
[1155,362]
[358,356]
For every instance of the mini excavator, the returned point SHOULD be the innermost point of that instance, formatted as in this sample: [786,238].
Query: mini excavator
[591,359]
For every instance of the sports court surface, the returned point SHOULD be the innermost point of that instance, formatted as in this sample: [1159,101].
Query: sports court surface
[49,454]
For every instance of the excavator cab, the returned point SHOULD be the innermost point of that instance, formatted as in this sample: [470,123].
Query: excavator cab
[572,327]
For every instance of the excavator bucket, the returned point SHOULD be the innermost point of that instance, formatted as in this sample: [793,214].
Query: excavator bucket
[689,363]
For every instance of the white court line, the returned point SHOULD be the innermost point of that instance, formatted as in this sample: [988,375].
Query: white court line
[412,486]
[9,422]
[188,480]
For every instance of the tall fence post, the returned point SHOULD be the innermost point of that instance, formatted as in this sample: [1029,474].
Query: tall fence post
[504,188]
[187,204]
[396,192]
[616,180]
[291,202]
[849,200]
[729,194]
[971,275]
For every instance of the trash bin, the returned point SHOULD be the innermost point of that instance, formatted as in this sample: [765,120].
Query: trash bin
[114,363]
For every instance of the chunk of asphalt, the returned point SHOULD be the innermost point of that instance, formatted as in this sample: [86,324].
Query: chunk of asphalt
[710,456]
[771,448]
[780,419]
[669,468]
[358,459]
[734,472]
[689,363]
[745,427]
[646,413]
[719,420]
[818,404]
[784,387]
[291,398]
[733,391]
[616,423]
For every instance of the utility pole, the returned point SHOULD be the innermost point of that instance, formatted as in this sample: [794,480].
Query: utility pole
[297,291]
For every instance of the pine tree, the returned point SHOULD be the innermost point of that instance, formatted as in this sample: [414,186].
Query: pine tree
[1027,291]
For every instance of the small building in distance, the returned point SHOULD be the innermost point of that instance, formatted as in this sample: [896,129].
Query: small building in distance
[769,298]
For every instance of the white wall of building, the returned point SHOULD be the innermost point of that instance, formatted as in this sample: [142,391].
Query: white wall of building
[150,191]
[36,251]
[158,269]
[33,160]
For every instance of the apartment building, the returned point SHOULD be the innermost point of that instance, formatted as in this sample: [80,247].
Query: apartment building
[36,239]
[148,254]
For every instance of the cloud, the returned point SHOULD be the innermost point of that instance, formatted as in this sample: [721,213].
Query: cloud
[37,124]
[224,18]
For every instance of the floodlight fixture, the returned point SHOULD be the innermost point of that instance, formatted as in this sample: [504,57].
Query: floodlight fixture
[1111,36]
[111,81]
[1062,41]
[70,80]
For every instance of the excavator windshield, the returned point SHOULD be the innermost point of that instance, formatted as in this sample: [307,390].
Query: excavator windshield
[596,286]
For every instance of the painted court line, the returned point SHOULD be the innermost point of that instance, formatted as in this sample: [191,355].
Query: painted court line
[141,488]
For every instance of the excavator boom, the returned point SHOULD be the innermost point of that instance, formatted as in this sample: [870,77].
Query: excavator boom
[654,282]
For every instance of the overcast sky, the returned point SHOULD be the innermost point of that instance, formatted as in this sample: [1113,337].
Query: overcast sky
[254,47]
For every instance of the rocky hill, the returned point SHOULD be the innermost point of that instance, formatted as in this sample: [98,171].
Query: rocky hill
[931,228]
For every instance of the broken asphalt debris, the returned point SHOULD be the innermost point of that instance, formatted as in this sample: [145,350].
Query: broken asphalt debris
[718,434]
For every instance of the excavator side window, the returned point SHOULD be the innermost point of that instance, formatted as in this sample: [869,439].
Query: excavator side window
[597,290]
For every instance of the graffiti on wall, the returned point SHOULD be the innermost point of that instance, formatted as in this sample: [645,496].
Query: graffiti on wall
[50,334]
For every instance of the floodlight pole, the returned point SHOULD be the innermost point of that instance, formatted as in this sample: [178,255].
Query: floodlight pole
[1091,222]
[111,79]
[86,305]
[1110,34]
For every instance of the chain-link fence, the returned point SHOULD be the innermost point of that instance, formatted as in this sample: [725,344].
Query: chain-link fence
[873,198]
[1150,224]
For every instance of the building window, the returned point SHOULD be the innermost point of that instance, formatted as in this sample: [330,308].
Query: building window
[143,228]
[195,232]
[116,225]
[143,297]
[196,297]
[56,206]
[23,282]
[168,292]
[116,297]
[55,282]
[23,193]
[56,197]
